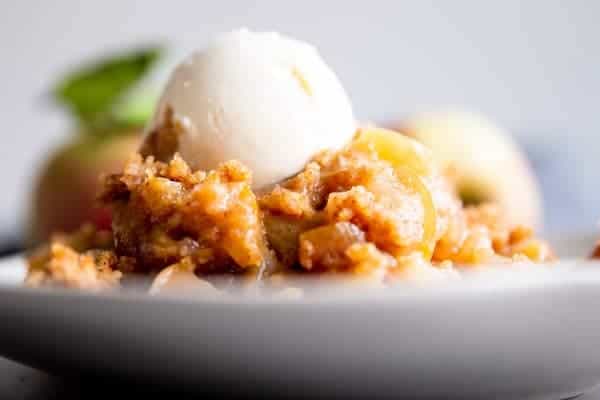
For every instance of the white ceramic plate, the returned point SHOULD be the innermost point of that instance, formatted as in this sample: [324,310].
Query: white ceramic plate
[508,335]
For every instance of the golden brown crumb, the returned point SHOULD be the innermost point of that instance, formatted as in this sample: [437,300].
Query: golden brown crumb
[286,202]
[391,229]
[283,235]
[481,234]
[509,241]
[91,270]
[351,186]
[414,269]
[85,238]
[325,247]
[163,212]
[366,259]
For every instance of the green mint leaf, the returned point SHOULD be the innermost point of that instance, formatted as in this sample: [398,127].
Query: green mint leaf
[92,92]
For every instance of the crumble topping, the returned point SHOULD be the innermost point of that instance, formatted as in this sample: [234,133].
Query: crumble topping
[347,212]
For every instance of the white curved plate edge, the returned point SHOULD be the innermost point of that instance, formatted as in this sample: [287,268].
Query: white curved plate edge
[12,270]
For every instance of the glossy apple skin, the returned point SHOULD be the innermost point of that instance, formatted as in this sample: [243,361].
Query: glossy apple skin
[64,193]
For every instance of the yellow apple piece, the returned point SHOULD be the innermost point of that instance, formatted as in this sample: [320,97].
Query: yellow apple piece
[398,150]
[412,162]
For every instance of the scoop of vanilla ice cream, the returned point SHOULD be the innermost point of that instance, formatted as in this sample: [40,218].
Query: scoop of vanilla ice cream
[264,99]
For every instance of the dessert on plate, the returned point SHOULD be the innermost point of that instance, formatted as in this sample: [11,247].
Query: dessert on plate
[254,167]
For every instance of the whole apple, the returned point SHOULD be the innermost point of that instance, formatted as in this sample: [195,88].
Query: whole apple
[486,163]
[64,194]
[109,111]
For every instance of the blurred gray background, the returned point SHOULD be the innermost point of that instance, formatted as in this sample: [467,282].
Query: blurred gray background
[532,66]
